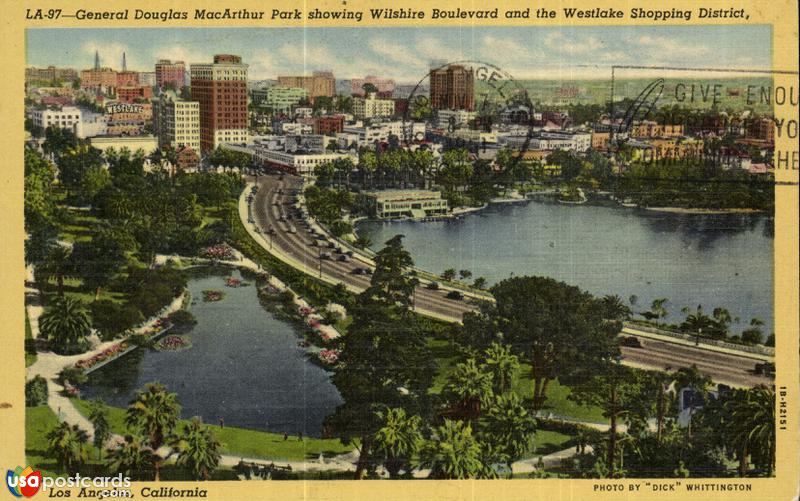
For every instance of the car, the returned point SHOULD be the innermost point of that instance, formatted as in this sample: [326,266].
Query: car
[337,250]
[434,286]
[349,253]
[630,342]
[343,258]
[359,271]
[765,369]
[331,245]
[282,218]
[271,231]
[292,229]
[325,255]
[455,295]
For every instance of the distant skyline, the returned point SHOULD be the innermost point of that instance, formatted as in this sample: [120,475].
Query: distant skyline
[405,53]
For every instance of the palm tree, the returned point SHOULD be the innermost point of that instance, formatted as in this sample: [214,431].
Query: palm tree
[66,324]
[502,365]
[68,444]
[614,308]
[468,387]
[59,265]
[753,427]
[154,412]
[198,449]
[508,427]
[452,452]
[398,439]
[132,459]
[98,416]
[690,377]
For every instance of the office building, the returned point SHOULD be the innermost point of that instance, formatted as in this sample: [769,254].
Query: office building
[221,89]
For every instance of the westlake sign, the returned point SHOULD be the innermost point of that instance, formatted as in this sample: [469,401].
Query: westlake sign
[124,108]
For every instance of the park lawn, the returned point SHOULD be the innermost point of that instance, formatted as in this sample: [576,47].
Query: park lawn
[30,358]
[548,442]
[80,226]
[73,287]
[243,442]
[557,401]
[38,423]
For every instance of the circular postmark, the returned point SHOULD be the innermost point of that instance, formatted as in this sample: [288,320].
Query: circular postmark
[496,112]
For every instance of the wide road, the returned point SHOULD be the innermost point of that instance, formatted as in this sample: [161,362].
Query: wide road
[274,200]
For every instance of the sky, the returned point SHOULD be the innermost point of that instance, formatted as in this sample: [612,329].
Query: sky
[406,53]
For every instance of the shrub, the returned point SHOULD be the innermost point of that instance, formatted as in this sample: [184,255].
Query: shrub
[72,374]
[111,319]
[183,318]
[36,392]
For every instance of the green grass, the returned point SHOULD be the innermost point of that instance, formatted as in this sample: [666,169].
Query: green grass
[557,401]
[30,358]
[40,420]
[548,441]
[243,442]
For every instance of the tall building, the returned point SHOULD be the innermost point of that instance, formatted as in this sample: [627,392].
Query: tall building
[134,93]
[221,90]
[50,73]
[372,107]
[99,79]
[170,72]
[127,78]
[147,78]
[176,122]
[452,88]
[319,84]
[279,99]
[384,86]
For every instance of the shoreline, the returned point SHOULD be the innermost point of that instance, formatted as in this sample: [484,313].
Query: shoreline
[690,210]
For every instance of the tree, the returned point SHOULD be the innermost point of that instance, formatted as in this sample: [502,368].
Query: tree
[557,328]
[68,444]
[614,308]
[384,360]
[452,452]
[95,179]
[154,412]
[100,258]
[98,416]
[132,459]
[753,427]
[398,439]
[464,274]
[502,364]
[66,324]
[691,378]
[616,390]
[507,429]
[449,275]
[36,391]
[58,265]
[75,163]
[753,334]
[657,310]
[468,388]
[198,449]
[479,283]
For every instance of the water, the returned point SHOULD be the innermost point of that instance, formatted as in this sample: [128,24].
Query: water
[713,260]
[244,366]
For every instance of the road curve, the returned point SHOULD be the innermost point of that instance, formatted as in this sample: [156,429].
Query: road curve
[274,199]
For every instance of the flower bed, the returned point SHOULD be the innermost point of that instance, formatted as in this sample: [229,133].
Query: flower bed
[233,282]
[221,252]
[210,295]
[109,352]
[329,357]
[173,343]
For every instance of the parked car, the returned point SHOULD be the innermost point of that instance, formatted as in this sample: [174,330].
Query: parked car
[349,253]
[765,369]
[344,258]
[359,271]
[434,286]
[631,342]
[325,255]
[337,250]
[455,295]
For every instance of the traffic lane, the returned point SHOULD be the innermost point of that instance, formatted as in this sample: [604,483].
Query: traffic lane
[721,367]
[298,246]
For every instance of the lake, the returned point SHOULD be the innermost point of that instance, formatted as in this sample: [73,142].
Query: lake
[244,366]
[714,260]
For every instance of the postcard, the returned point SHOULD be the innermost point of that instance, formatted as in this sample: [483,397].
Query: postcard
[400,250]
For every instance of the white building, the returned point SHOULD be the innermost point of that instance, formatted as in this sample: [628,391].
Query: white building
[415,204]
[147,144]
[67,117]
[289,128]
[446,119]
[367,135]
[177,122]
[552,140]
[372,107]
[147,78]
